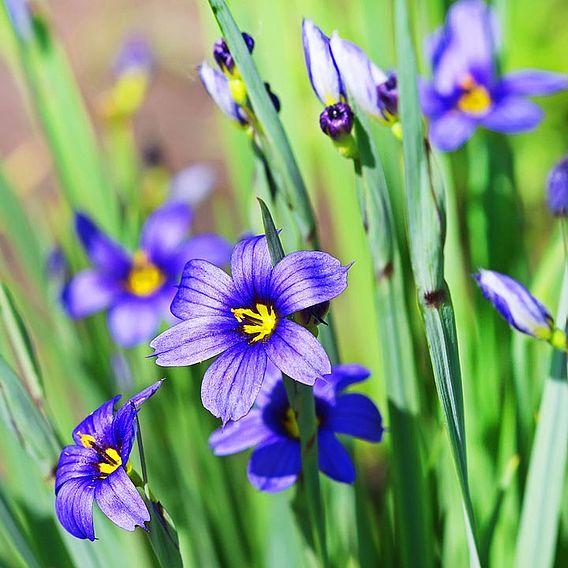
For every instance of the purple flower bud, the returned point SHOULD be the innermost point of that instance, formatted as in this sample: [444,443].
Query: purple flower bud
[223,56]
[388,96]
[337,120]
[134,55]
[558,188]
[274,98]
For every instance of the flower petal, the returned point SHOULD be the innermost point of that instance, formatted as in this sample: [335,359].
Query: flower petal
[102,251]
[76,462]
[205,290]
[533,82]
[513,114]
[134,320]
[119,500]
[212,248]
[139,399]
[98,424]
[231,383]
[237,436]
[74,507]
[272,377]
[275,466]
[355,415]
[334,460]
[165,230]
[341,377]
[251,268]
[297,353]
[432,103]
[89,291]
[323,73]
[357,73]
[305,278]
[451,130]
[195,340]
[192,185]
[514,302]
[217,86]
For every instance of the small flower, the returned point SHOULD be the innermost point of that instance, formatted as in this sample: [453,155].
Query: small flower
[558,188]
[138,288]
[466,91]
[375,92]
[192,185]
[244,319]
[135,56]
[519,307]
[96,468]
[271,426]
[337,120]
[223,56]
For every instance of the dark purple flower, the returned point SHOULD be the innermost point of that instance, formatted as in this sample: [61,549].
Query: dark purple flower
[223,56]
[466,91]
[138,288]
[96,468]
[558,188]
[388,96]
[244,318]
[337,120]
[271,426]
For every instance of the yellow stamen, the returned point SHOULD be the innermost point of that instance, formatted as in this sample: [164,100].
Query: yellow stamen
[291,424]
[87,440]
[144,277]
[475,99]
[260,323]
[112,461]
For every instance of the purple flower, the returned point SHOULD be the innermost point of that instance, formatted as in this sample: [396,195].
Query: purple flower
[223,56]
[192,185]
[466,91]
[137,288]
[375,92]
[217,85]
[271,426]
[244,318]
[135,56]
[96,468]
[558,188]
[337,120]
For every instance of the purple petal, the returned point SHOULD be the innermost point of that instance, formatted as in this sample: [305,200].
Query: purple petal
[533,82]
[217,85]
[231,383]
[341,377]
[251,268]
[74,507]
[134,56]
[195,340]
[557,185]
[165,230]
[334,460]
[20,16]
[297,353]
[98,424]
[139,399]
[358,73]
[192,185]
[204,290]
[76,462]
[209,247]
[432,103]
[119,500]
[275,466]
[134,320]
[322,70]
[102,251]
[451,130]
[272,377]
[355,415]
[237,436]
[303,279]
[88,292]
[468,46]
[514,302]
[513,114]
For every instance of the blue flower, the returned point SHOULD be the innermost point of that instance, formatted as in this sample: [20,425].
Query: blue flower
[466,91]
[244,319]
[558,188]
[519,307]
[96,468]
[271,426]
[138,288]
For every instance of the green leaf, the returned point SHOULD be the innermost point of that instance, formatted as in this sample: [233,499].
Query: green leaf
[163,536]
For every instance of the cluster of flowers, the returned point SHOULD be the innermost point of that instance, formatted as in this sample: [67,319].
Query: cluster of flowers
[250,319]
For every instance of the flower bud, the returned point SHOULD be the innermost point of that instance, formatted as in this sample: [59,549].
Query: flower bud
[388,97]
[337,120]
[558,188]
[223,56]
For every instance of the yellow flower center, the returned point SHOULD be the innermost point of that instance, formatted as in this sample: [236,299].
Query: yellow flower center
[111,459]
[260,323]
[475,98]
[144,277]
[290,424]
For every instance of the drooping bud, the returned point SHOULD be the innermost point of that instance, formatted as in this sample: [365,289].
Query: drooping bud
[223,56]
[558,188]
[337,121]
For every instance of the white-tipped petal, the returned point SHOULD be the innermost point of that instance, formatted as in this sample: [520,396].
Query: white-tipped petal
[217,85]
